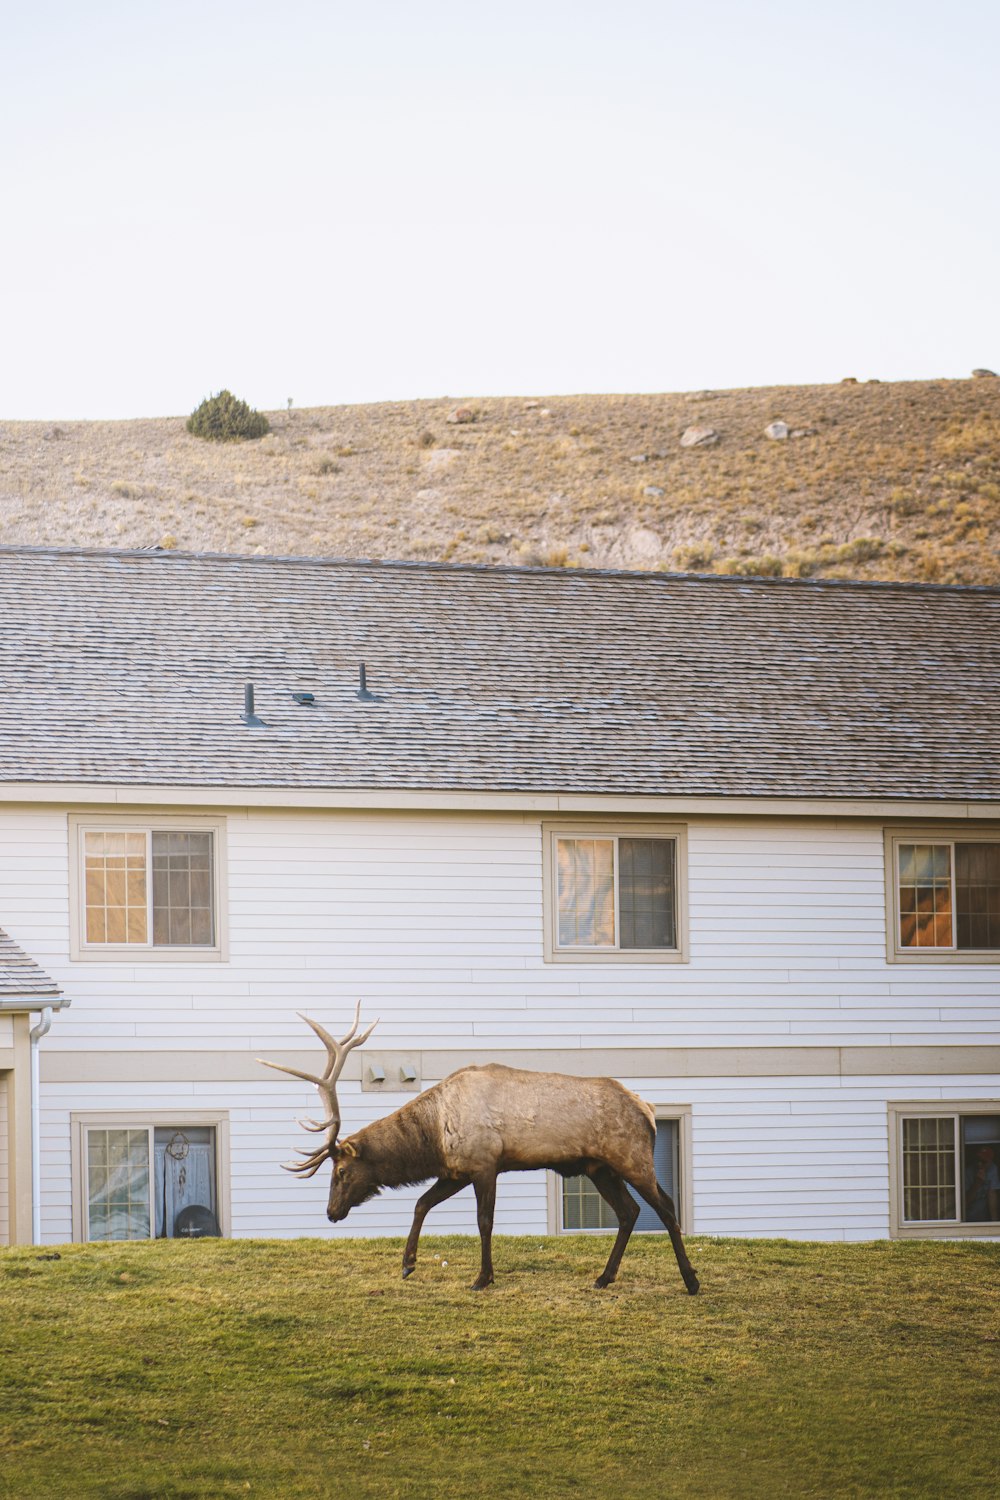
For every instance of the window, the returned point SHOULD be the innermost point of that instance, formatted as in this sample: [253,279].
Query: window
[152,886]
[614,893]
[944,896]
[575,1203]
[147,1179]
[947,1169]
[584,1208]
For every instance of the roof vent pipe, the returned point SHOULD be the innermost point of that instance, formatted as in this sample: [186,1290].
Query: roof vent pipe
[248,716]
[363,693]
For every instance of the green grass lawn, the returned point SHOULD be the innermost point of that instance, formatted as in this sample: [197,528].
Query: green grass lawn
[309,1368]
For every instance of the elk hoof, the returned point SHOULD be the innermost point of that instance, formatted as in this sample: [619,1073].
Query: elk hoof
[692,1283]
[480,1285]
[603,1281]
[408,1271]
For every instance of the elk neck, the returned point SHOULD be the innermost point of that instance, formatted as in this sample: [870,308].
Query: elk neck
[404,1147]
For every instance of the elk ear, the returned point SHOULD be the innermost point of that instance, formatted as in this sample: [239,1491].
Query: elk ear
[347,1148]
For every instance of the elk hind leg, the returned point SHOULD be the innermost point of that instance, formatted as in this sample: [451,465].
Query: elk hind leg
[444,1188]
[614,1192]
[486,1197]
[662,1204]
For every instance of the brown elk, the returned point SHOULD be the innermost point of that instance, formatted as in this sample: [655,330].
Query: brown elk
[482,1121]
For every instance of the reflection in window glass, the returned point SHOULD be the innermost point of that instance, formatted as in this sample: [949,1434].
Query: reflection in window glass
[118,1184]
[925,896]
[586,894]
[115,882]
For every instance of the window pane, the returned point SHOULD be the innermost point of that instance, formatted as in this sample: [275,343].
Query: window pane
[977,895]
[184,1162]
[583,1206]
[925,896]
[115,887]
[665,1160]
[646,893]
[980,1168]
[929,1170]
[586,892]
[118,1184]
[182,889]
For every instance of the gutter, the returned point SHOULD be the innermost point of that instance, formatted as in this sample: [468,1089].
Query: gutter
[35,1036]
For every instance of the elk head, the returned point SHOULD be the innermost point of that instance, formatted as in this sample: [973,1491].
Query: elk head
[351,1183]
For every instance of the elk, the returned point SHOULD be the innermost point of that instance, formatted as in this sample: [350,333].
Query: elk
[479,1122]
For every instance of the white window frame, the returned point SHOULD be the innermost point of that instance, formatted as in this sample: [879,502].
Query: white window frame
[681,1115]
[135,953]
[933,1229]
[613,829]
[946,834]
[148,1120]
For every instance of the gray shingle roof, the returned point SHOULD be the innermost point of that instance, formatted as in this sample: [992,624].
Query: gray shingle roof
[20,976]
[129,667]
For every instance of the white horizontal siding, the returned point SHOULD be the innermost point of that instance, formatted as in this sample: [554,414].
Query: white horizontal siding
[776,1157]
[435,921]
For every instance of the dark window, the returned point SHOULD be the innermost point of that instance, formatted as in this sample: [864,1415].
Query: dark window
[646,893]
[951,1169]
[977,895]
[584,1208]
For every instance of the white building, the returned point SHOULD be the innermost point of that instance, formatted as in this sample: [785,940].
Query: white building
[733,842]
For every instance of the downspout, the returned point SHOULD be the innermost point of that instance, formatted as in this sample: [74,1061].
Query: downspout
[35,1036]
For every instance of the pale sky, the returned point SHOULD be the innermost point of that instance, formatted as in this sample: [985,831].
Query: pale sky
[345,202]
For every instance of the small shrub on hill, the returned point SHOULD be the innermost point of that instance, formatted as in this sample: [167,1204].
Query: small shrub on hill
[226,419]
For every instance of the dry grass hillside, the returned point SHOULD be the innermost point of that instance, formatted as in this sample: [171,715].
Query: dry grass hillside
[897,481]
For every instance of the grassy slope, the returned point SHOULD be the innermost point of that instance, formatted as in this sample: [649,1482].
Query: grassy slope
[309,1369]
[899,481]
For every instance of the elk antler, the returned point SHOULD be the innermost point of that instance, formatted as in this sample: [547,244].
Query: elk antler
[326,1083]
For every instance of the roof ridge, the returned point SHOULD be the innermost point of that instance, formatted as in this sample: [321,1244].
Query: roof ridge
[421,565]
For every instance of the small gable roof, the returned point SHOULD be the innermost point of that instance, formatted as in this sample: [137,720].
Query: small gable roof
[20,976]
[129,668]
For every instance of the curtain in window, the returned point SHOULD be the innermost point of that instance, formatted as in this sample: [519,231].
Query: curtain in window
[184,1162]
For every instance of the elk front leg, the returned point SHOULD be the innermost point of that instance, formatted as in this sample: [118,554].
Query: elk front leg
[444,1188]
[486,1197]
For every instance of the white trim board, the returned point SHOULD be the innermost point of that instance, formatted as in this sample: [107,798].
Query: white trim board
[585,1062]
[232,798]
